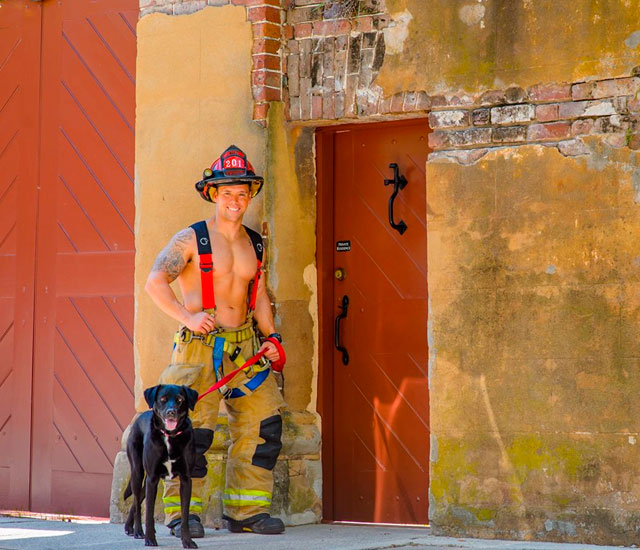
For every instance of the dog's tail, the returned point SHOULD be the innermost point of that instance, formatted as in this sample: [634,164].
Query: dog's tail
[127,491]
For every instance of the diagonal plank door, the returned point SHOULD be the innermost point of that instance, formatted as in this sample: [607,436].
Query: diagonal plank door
[19,114]
[381,405]
[83,354]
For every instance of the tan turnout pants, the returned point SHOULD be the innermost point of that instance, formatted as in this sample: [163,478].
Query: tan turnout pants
[255,427]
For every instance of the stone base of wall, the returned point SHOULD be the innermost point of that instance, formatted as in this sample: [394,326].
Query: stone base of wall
[297,495]
[594,526]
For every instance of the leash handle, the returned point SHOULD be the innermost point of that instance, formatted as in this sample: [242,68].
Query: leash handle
[275,365]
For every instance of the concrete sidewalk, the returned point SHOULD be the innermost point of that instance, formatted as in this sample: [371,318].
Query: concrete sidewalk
[28,533]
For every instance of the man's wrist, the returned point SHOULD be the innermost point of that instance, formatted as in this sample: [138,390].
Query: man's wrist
[276,336]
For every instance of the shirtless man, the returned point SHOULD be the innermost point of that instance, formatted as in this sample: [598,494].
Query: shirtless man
[216,336]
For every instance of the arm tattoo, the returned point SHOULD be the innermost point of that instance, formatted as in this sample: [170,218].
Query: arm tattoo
[171,259]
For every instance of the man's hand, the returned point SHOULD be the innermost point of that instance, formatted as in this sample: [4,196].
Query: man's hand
[201,322]
[272,352]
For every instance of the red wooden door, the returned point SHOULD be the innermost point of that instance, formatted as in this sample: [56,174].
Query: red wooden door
[82,217]
[380,398]
[19,115]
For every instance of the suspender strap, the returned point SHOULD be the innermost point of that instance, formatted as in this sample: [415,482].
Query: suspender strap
[206,264]
[258,247]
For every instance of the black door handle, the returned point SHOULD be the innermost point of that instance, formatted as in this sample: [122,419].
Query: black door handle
[399,182]
[342,315]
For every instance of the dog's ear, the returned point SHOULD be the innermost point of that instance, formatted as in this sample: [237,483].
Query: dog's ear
[150,395]
[191,395]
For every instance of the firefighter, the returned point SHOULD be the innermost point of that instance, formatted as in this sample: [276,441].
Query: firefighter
[218,265]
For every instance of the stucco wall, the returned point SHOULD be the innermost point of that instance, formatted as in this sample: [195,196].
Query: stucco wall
[444,46]
[535,301]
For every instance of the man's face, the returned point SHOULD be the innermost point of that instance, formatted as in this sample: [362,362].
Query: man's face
[232,200]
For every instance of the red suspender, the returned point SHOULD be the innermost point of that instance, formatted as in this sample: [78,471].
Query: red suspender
[206,264]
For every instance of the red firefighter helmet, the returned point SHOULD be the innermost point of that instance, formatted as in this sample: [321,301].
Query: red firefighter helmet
[231,168]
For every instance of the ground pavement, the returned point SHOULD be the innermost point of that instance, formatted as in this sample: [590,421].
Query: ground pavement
[35,533]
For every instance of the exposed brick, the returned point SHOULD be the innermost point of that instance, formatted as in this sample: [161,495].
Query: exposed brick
[600,108]
[308,2]
[255,2]
[363,24]
[294,108]
[287,32]
[397,101]
[584,90]
[480,117]
[316,107]
[342,42]
[266,78]
[328,106]
[438,101]
[302,30]
[293,75]
[423,101]
[493,97]
[362,102]
[316,69]
[612,124]
[189,7]
[157,9]
[262,93]
[332,27]
[305,98]
[369,39]
[305,59]
[218,2]
[353,61]
[459,138]
[338,102]
[633,141]
[266,61]
[616,87]
[410,99]
[515,94]
[293,46]
[350,94]
[381,22]
[264,13]
[582,127]
[265,45]
[448,119]
[371,6]
[266,30]
[508,134]
[550,92]
[553,130]
[385,106]
[547,112]
[260,111]
[301,15]
[573,148]
[633,105]
[340,69]
[508,114]
[366,70]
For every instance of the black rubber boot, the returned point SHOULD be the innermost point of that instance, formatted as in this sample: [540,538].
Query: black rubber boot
[262,524]
[195,527]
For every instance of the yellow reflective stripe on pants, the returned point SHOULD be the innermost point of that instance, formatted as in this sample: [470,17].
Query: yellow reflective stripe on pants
[172,504]
[246,497]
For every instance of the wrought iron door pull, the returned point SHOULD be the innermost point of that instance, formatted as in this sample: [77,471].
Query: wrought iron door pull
[399,182]
[344,307]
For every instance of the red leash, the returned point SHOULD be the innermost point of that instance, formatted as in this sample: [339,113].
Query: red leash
[275,365]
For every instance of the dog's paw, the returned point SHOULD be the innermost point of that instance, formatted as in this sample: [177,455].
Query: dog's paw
[128,530]
[150,541]
[138,534]
[189,544]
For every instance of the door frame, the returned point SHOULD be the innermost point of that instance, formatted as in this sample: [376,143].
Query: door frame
[324,139]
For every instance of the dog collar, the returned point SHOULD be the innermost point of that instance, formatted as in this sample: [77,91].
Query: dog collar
[170,434]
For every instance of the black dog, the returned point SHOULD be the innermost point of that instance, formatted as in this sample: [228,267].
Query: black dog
[161,444]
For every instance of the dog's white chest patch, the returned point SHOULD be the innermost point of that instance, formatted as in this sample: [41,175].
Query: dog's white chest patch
[168,464]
